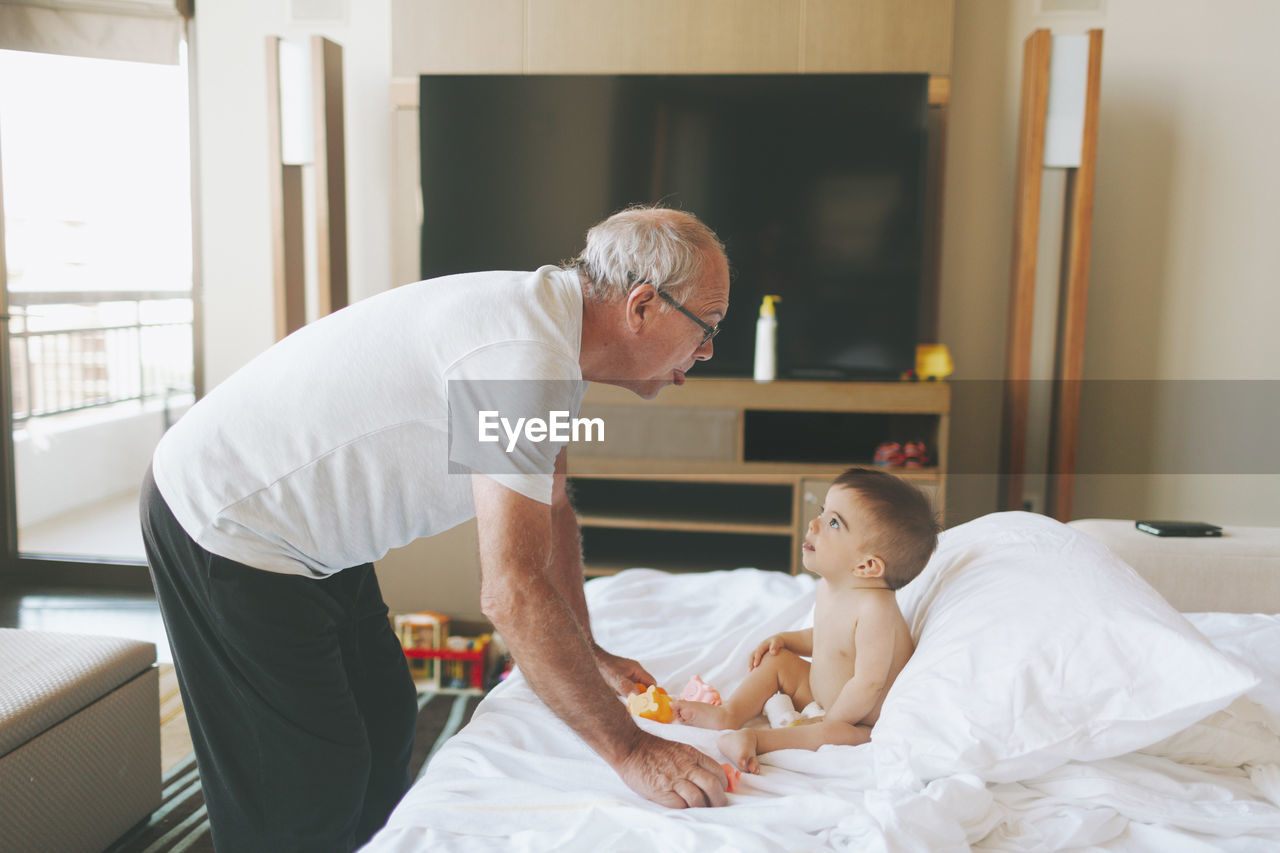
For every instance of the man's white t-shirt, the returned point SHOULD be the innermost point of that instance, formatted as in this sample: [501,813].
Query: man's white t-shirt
[332,447]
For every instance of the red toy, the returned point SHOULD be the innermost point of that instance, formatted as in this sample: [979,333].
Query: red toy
[731,777]
[472,658]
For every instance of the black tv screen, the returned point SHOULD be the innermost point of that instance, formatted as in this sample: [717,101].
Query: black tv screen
[816,184]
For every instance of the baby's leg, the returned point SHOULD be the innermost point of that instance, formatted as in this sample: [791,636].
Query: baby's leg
[785,671]
[740,748]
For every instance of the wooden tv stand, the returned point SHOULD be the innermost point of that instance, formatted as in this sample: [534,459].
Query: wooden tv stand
[725,473]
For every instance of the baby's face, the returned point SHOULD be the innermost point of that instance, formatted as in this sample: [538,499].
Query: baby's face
[837,538]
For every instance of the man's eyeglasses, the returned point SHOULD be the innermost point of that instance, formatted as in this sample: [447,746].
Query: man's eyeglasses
[708,332]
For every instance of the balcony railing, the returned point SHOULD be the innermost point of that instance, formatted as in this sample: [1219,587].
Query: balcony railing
[80,350]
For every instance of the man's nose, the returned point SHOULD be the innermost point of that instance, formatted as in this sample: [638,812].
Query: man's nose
[704,352]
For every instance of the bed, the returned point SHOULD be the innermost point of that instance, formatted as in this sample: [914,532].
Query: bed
[1055,701]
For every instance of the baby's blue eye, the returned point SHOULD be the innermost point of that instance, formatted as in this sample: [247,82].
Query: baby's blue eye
[831,522]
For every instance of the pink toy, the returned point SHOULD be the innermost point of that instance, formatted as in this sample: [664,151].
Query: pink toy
[698,690]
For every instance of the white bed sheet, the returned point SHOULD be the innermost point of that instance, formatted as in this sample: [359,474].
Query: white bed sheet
[517,778]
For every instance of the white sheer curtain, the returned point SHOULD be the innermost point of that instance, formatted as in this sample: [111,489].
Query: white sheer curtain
[133,30]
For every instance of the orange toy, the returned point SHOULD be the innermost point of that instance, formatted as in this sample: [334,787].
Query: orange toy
[652,704]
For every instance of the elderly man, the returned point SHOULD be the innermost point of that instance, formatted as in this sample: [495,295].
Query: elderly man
[269,501]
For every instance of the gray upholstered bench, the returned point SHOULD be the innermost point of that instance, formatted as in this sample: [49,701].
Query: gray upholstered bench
[79,739]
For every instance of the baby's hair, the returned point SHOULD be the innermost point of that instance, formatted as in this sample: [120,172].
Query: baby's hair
[906,529]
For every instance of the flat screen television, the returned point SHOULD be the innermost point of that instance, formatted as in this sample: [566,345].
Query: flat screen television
[816,184]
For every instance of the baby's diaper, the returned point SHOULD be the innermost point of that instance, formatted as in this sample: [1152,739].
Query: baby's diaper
[782,712]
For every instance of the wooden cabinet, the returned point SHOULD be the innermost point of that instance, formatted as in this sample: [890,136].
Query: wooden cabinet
[723,474]
[878,36]
[671,37]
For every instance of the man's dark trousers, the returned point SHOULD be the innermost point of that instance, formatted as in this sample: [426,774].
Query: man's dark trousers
[299,701]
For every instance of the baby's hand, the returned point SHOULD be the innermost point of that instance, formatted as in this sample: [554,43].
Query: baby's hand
[771,646]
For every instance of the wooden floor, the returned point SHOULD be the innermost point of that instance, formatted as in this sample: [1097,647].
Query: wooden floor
[175,738]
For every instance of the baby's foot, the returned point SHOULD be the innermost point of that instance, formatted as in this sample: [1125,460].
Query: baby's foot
[740,748]
[701,714]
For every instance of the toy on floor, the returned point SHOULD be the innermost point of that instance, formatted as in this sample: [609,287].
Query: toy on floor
[653,704]
[698,690]
[422,630]
[460,664]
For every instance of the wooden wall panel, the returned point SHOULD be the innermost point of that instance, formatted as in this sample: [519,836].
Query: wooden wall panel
[1022,287]
[878,36]
[1065,430]
[330,175]
[671,36]
[285,192]
[664,36]
[447,36]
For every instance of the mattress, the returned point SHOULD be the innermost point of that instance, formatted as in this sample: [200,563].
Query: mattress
[517,778]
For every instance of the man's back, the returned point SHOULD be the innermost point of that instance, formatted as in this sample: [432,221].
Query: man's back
[330,447]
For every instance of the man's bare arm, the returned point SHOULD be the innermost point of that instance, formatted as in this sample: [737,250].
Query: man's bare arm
[554,653]
[566,548]
[566,573]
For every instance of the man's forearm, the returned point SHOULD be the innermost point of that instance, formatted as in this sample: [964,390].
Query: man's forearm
[556,658]
[565,568]
[537,623]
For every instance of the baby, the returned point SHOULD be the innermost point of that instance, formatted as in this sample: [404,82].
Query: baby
[874,534]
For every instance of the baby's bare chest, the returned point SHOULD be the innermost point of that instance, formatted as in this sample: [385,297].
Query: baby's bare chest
[833,664]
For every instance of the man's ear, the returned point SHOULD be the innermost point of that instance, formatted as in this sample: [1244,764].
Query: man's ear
[870,567]
[641,305]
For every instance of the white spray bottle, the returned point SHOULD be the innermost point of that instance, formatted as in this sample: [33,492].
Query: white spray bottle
[766,369]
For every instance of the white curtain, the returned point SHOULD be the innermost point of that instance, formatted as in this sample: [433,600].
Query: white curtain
[133,30]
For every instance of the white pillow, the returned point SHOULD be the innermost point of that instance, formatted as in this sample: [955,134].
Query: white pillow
[1035,646]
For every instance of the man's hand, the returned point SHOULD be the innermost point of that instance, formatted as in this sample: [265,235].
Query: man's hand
[621,674]
[672,774]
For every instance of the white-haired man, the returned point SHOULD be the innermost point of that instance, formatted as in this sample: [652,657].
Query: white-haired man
[268,502]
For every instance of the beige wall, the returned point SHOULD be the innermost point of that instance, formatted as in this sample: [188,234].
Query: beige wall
[231,131]
[1183,286]
[1183,282]
[586,36]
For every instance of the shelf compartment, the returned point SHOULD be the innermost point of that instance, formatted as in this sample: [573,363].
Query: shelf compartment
[746,508]
[608,550]
[738,473]
[654,522]
[830,437]
[786,395]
